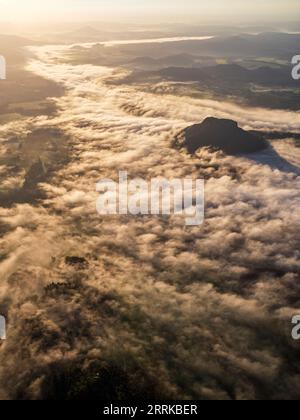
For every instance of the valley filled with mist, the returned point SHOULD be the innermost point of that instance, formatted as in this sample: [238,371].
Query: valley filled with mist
[144,307]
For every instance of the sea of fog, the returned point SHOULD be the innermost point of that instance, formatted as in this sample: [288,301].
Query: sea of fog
[204,312]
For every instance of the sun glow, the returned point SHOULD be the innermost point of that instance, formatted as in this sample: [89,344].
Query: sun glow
[72,10]
[15,10]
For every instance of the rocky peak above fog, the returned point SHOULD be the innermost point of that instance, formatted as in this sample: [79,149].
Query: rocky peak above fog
[220,134]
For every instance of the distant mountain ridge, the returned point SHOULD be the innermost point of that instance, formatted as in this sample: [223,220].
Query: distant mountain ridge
[267,44]
[232,73]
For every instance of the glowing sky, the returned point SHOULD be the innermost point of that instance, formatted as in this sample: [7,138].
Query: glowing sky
[15,10]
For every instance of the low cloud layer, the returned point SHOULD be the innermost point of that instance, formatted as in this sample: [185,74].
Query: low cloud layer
[201,312]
